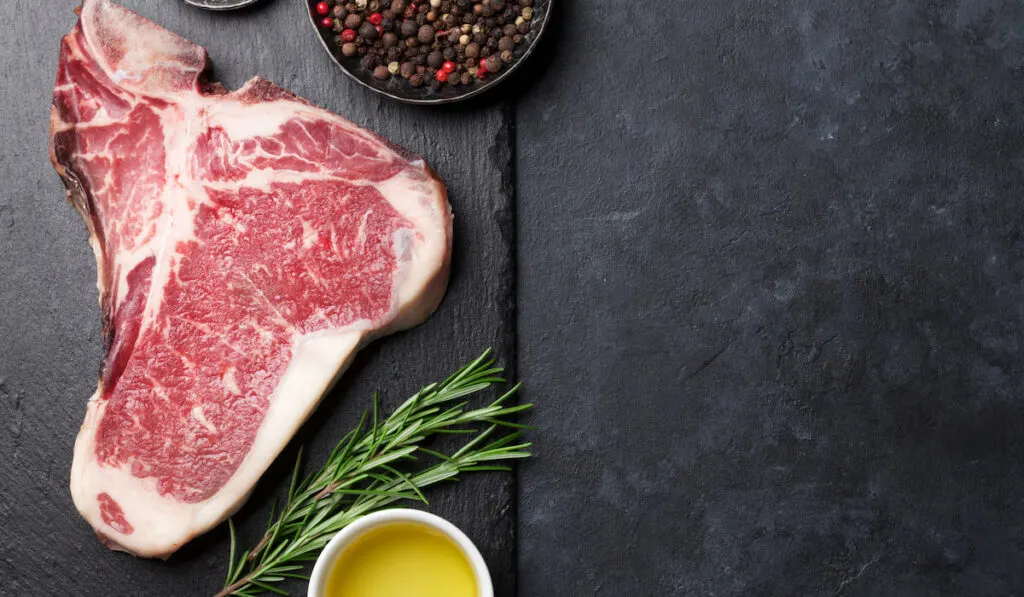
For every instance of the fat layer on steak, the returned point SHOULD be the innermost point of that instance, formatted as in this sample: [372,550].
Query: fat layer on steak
[247,244]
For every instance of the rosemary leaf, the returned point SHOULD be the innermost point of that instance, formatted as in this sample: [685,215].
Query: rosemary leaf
[364,473]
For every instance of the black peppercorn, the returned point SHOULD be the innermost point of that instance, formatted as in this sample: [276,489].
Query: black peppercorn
[425,34]
[448,53]
[509,30]
[353,20]
[370,61]
[453,78]
[348,50]
[506,43]
[480,38]
[381,73]
[419,60]
[518,39]
[473,49]
[435,59]
[492,43]
[493,64]
[524,27]
[368,31]
[387,24]
[338,12]
[397,7]
[466,78]
[485,52]
[409,28]
[416,80]
[390,39]
[407,69]
[453,37]
[393,54]
[507,56]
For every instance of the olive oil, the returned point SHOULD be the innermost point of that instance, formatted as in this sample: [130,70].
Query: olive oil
[402,560]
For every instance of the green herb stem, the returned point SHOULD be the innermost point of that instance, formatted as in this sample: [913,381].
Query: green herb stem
[364,473]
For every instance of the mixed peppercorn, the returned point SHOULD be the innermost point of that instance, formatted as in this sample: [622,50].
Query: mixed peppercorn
[440,42]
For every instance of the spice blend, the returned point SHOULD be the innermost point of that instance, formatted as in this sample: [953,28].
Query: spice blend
[435,42]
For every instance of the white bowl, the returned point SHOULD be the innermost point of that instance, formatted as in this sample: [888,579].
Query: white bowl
[345,537]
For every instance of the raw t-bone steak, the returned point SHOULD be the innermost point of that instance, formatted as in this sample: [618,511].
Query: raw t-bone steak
[247,244]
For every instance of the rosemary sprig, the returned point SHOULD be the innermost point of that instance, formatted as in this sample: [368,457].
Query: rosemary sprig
[363,474]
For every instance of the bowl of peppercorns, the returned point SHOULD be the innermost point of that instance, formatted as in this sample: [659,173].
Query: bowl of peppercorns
[429,51]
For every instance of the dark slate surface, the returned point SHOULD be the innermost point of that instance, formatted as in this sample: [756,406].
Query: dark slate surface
[50,325]
[770,300]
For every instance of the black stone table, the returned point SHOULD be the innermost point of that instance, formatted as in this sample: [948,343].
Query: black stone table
[760,265]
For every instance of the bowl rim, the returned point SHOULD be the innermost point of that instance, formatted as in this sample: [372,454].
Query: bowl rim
[489,85]
[336,546]
[233,6]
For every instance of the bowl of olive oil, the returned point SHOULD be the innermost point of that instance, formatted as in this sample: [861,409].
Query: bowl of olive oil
[400,553]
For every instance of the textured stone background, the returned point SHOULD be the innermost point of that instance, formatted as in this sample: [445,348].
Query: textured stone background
[770,280]
[50,322]
[768,264]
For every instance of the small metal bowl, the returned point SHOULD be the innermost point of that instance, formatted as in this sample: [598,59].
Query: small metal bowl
[397,88]
[221,4]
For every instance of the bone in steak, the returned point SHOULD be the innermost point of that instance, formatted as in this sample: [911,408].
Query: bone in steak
[247,244]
